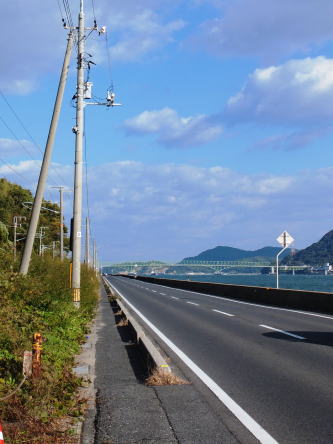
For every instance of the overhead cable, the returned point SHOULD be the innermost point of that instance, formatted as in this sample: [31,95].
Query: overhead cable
[55,172]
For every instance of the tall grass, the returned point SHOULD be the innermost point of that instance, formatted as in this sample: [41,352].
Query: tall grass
[41,302]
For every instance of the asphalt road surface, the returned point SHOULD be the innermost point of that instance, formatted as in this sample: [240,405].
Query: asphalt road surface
[272,367]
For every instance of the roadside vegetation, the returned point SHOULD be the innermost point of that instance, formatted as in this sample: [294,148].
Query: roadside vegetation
[42,410]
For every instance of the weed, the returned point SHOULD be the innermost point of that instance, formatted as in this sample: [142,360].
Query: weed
[162,377]
[122,323]
[42,302]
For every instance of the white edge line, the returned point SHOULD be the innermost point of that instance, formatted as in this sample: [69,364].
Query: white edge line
[223,312]
[255,428]
[249,303]
[282,331]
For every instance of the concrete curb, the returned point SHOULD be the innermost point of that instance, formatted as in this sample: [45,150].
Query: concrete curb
[160,359]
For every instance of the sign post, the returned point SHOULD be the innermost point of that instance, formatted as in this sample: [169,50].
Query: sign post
[284,240]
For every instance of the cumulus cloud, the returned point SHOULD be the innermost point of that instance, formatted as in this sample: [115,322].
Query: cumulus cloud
[172,129]
[35,42]
[33,45]
[10,148]
[170,211]
[297,92]
[141,33]
[293,140]
[266,28]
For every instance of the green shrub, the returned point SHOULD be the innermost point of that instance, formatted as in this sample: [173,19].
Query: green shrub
[41,302]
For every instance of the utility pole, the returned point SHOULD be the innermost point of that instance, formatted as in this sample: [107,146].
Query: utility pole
[78,129]
[87,241]
[28,246]
[94,255]
[41,235]
[17,222]
[83,91]
[61,191]
[15,230]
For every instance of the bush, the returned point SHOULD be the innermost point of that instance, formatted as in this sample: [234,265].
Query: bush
[41,302]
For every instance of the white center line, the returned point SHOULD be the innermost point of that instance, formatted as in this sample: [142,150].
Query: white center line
[282,331]
[251,303]
[163,294]
[223,312]
[193,303]
[174,297]
[154,291]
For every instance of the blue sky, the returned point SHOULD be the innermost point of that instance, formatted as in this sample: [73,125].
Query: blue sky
[226,128]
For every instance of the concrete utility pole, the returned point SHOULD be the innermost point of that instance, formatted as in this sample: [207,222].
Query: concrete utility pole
[41,235]
[94,255]
[61,191]
[17,222]
[28,246]
[78,129]
[87,241]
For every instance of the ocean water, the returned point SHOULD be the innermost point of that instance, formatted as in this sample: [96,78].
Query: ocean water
[298,282]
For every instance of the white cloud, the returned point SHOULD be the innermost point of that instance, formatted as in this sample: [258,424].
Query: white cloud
[292,140]
[141,33]
[173,130]
[170,211]
[296,92]
[266,28]
[34,42]
[10,148]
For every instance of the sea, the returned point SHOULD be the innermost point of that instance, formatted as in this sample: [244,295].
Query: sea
[311,282]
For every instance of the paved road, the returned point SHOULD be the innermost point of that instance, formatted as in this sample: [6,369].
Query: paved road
[275,364]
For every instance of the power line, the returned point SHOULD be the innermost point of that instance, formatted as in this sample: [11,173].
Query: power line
[109,60]
[93,8]
[29,135]
[14,171]
[16,138]
[62,16]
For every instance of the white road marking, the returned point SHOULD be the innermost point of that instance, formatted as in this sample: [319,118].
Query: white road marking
[249,303]
[154,291]
[255,428]
[223,312]
[282,331]
[192,303]
[174,297]
[163,294]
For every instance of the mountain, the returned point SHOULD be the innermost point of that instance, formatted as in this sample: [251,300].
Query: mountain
[317,254]
[223,253]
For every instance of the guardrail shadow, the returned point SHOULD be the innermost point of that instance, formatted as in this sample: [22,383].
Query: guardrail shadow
[136,352]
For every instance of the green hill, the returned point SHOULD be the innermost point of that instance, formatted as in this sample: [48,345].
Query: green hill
[317,254]
[12,197]
[223,253]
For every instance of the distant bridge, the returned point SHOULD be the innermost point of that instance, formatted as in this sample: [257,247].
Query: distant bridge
[132,267]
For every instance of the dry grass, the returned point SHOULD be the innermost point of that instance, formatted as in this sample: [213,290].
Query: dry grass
[119,313]
[24,428]
[123,322]
[163,377]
